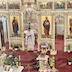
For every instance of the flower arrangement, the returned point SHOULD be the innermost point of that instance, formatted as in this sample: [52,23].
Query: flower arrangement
[11,60]
[68,48]
[69,61]
[16,46]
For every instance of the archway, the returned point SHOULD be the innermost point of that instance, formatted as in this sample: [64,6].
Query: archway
[1,34]
[5,27]
[59,32]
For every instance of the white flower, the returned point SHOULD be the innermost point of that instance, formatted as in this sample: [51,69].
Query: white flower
[10,56]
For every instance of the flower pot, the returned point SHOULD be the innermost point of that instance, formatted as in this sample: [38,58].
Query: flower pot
[69,63]
[16,49]
[68,51]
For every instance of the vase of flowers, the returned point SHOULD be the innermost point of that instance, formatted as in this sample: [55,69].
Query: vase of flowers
[69,61]
[68,48]
[10,60]
[16,46]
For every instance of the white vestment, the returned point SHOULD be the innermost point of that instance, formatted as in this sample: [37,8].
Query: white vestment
[30,40]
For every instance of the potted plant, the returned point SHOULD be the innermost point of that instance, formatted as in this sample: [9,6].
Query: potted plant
[68,48]
[10,60]
[16,46]
[69,61]
[50,46]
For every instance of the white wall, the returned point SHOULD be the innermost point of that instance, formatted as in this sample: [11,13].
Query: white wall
[59,29]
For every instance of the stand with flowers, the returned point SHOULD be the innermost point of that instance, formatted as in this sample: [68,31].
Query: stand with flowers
[10,61]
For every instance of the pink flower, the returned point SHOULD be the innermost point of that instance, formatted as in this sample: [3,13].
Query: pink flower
[49,70]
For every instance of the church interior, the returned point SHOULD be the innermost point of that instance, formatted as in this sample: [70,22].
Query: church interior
[35,35]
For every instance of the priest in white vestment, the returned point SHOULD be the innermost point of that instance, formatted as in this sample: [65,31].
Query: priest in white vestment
[30,39]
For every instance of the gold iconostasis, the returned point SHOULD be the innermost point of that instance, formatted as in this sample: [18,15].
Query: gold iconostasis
[22,16]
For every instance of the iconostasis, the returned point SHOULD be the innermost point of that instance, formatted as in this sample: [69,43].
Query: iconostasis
[17,17]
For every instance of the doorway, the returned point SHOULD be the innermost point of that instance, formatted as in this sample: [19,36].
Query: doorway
[59,33]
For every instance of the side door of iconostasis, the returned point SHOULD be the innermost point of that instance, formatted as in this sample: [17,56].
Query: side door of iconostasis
[30,25]
[59,24]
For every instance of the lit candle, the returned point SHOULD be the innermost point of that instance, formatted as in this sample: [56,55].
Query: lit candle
[19,60]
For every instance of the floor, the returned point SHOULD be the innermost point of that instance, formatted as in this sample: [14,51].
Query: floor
[59,42]
[28,58]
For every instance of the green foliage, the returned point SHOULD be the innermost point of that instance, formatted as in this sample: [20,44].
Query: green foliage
[50,46]
[10,60]
[36,66]
[36,56]
[69,59]
[69,47]
[17,46]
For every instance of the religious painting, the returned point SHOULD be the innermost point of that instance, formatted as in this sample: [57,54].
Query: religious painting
[69,27]
[59,5]
[28,3]
[2,5]
[13,5]
[15,26]
[45,5]
[69,4]
[16,44]
[45,46]
[46,27]
[30,16]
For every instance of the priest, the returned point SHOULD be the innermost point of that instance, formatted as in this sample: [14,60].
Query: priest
[30,39]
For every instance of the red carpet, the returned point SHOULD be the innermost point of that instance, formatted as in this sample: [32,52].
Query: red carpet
[28,58]
[59,43]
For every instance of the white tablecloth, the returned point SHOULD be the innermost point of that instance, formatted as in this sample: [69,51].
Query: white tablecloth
[15,69]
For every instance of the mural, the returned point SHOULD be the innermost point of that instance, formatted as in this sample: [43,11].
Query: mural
[15,26]
[59,5]
[14,5]
[29,3]
[30,16]
[45,5]
[69,27]
[2,5]
[46,26]
[44,46]
[69,4]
